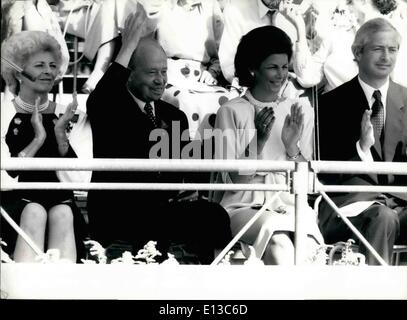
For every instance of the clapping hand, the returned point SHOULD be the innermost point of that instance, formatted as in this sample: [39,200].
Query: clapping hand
[292,129]
[63,120]
[36,122]
[295,16]
[366,132]
[207,78]
[263,122]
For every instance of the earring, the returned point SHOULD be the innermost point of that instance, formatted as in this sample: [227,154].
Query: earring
[252,73]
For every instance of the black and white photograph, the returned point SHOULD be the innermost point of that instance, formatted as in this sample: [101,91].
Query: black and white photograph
[202,155]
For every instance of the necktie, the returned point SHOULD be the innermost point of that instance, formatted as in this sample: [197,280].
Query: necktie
[377,117]
[149,111]
[271,16]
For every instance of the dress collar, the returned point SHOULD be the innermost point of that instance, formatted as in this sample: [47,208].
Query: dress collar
[261,104]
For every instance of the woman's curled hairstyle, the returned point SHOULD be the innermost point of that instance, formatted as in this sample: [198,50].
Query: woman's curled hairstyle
[20,46]
[255,47]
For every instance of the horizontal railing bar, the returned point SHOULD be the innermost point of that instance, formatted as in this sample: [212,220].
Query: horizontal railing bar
[196,165]
[397,168]
[360,188]
[140,186]
[51,164]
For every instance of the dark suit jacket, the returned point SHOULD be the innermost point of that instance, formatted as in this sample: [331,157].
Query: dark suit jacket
[121,130]
[340,116]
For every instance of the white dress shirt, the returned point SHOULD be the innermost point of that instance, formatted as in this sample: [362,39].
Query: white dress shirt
[141,104]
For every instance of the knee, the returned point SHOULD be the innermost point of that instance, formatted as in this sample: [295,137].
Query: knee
[217,219]
[281,240]
[61,215]
[218,213]
[386,217]
[220,217]
[33,217]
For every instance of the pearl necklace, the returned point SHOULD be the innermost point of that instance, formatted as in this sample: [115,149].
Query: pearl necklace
[29,108]
[260,104]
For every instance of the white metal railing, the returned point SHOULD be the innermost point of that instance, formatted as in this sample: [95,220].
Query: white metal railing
[300,184]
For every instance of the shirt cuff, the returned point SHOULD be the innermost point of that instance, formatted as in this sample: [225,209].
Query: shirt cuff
[364,156]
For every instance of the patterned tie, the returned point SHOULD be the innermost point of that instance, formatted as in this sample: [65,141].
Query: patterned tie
[149,111]
[377,117]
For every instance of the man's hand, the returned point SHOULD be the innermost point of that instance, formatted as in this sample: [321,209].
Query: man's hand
[135,27]
[186,196]
[366,139]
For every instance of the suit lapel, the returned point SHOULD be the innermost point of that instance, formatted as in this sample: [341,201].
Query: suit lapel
[393,125]
[359,99]
[160,114]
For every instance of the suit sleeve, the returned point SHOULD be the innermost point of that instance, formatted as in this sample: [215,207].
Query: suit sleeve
[103,100]
[339,130]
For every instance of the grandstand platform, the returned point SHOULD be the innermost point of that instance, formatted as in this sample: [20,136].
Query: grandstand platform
[191,282]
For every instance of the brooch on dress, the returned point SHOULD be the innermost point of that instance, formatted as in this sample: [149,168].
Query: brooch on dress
[71,122]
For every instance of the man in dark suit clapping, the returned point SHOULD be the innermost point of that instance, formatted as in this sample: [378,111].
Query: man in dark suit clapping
[365,119]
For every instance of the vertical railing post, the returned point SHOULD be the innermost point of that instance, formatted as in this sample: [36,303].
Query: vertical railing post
[300,189]
[75,66]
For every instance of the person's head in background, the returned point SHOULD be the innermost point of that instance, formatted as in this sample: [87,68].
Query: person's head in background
[367,9]
[272,4]
[148,67]
[262,60]
[385,6]
[38,54]
[375,49]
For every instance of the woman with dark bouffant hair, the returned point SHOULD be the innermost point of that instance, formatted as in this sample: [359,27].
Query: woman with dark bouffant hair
[262,125]
[34,126]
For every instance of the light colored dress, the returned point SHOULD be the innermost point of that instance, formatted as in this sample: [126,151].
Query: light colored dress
[237,116]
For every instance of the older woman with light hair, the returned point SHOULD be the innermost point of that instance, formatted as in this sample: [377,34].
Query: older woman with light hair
[34,126]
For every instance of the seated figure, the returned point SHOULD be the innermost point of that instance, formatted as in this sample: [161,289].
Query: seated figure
[127,100]
[263,125]
[33,126]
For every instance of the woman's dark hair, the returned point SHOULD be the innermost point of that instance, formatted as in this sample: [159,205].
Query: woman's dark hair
[255,47]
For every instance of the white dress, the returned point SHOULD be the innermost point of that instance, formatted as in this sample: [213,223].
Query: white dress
[237,116]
